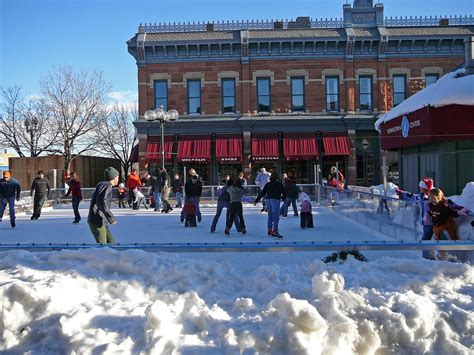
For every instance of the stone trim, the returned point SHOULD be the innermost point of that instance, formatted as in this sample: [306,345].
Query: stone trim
[159,76]
[297,72]
[399,71]
[365,71]
[193,75]
[263,73]
[227,75]
[431,70]
[333,72]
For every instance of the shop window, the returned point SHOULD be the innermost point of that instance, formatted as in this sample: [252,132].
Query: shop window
[161,94]
[194,96]
[263,95]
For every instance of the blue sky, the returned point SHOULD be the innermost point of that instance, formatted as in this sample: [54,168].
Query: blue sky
[36,35]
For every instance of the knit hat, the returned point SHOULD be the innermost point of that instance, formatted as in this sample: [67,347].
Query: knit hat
[110,173]
[6,174]
[427,184]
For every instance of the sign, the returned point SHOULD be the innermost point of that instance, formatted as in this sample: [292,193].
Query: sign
[405,126]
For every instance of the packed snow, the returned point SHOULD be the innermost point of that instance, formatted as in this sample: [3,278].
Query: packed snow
[454,88]
[104,301]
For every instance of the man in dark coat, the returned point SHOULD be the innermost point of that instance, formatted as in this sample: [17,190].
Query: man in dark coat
[42,190]
[9,191]
[193,190]
[177,186]
[100,215]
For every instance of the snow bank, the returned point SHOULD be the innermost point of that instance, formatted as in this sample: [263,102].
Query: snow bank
[103,301]
[450,89]
[466,198]
[391,187]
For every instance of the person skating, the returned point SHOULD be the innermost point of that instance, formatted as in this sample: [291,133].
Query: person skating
[336,178]
[193,190]
[274,192]
[121,195]
[236,192]
[223,201]
[140,199]
[100,215]
[306,215]
[9,192]
[188,214]
[421,200]
[177,186]
[165,188]
[76,193]
[292,191]
[133,181]
[261,180]
[42,190]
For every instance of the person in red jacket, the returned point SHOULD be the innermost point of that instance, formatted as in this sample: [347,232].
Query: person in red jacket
[133,182]
[336,179]
[76,193]
[189,210]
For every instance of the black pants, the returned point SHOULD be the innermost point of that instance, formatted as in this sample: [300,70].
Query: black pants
[76,200]
[306,220]
[121,202]
[236,209]
[190,220]
[38,203]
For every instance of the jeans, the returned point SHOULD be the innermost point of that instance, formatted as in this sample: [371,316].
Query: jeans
[157,197]
[236,210]
[76,200]
[286,205]
[198,210]
[220,206]
[427,235]
[273,206]
[11,206]
[179,199]
[102,233]
[38,202]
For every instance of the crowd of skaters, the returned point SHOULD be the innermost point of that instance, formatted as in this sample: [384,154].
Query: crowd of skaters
[277,194]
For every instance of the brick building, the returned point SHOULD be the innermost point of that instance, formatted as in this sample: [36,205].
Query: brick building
[286,94]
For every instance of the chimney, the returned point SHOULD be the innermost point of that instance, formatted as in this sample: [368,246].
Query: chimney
[210,27]
[278,25]
[443,22]
[469,58]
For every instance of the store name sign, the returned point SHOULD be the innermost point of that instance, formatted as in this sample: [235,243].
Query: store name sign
[404,127]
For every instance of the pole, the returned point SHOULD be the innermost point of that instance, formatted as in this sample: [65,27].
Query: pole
[184,178]
[337,173]
[162,128]
[318,182]
[384,174]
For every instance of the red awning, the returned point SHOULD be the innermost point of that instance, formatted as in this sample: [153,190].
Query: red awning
[300,146]
[229,148]
[337,145]
[265,147]
[153,149]
[194,148]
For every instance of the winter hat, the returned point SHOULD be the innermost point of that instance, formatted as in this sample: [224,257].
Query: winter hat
[110,173]
[6,174]
[427,184]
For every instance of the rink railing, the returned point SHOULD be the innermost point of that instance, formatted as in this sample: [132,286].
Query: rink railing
[458,246]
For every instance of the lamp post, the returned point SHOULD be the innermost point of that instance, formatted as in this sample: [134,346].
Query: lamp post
[161,116]
[31,125]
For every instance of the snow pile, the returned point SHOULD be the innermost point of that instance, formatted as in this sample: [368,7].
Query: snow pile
[466,198]
[451,89]
[103,301]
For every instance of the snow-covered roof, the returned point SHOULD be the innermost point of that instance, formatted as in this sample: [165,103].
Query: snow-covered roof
[454,88]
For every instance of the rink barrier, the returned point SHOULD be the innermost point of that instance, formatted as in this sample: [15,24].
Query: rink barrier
[245,247]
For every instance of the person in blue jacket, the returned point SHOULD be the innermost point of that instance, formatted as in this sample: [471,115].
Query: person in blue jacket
[9,192]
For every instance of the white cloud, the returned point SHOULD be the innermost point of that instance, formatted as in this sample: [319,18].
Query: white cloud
[127,97]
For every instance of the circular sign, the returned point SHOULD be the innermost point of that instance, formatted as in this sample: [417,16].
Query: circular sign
[405,126]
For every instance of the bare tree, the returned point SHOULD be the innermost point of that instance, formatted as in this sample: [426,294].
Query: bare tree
[117,136]
[76,103]
[24,124]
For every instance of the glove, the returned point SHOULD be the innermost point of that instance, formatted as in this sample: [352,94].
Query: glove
[426,219]
[399,192]
[463,212]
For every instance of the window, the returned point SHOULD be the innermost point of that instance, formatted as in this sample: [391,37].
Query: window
[161,94]
[399,89]
[332,93]
[365,93]
[228,95]
[1,160]
[297,94]
[431,79]
[263,95]
[194,96]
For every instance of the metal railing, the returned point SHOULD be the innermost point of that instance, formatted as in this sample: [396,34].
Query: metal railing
[406,21]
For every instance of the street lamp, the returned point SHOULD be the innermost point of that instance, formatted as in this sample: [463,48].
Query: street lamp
[162,116]
[31,125]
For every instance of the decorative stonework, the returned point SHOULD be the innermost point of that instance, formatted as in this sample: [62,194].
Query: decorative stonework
[333,72]
[366,71]
[159,76]
[193,75]
[432,70]
[227,75]
[399,71]
[297,72]
[263,73]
